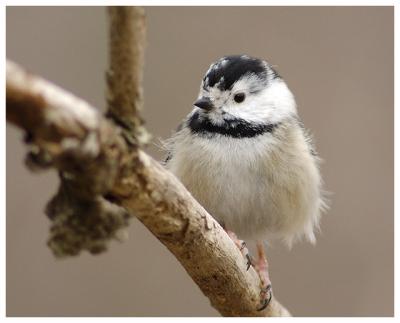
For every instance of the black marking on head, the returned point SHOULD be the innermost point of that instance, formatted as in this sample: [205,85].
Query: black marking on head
[236,128]
[226,71]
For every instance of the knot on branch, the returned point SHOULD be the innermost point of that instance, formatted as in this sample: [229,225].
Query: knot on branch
[82,218]
[89,166]
[135,135]
[83,223]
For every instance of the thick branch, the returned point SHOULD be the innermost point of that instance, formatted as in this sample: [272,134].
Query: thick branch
[127,37]
[138,183]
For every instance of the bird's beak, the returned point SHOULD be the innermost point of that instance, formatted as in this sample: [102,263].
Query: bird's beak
[204,103]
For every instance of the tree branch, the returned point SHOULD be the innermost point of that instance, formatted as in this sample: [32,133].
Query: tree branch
[105,176]
[127,36]
[54,118]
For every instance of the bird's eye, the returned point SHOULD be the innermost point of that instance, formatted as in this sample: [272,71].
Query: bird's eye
[239,97]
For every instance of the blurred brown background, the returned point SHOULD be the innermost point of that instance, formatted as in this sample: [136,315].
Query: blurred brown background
[338,61]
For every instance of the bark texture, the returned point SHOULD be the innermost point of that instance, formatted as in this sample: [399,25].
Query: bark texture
[127,39]
[105,176]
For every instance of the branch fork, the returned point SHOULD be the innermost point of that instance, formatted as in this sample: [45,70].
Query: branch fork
[105,177]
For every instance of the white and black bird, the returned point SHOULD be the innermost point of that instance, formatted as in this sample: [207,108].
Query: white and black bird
[244,155]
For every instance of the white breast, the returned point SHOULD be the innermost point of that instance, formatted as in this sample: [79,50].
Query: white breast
[257,187]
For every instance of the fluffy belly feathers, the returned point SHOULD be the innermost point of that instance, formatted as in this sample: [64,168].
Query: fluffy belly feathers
[253,189]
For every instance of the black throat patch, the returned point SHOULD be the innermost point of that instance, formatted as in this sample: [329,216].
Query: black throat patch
[235,128]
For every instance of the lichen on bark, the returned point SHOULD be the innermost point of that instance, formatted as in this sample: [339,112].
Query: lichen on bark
[83,224]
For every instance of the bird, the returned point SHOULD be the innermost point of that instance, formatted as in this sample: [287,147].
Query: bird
[245,155]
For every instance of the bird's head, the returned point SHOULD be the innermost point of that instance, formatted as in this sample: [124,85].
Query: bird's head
[244,88]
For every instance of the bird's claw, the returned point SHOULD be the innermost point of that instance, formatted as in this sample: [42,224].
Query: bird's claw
[266,296]
[250,261]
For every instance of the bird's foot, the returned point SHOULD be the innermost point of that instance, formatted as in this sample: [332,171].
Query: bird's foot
[250,261]
[265,297]
[261,267]
[245,252]
[265,283]
[242,247]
